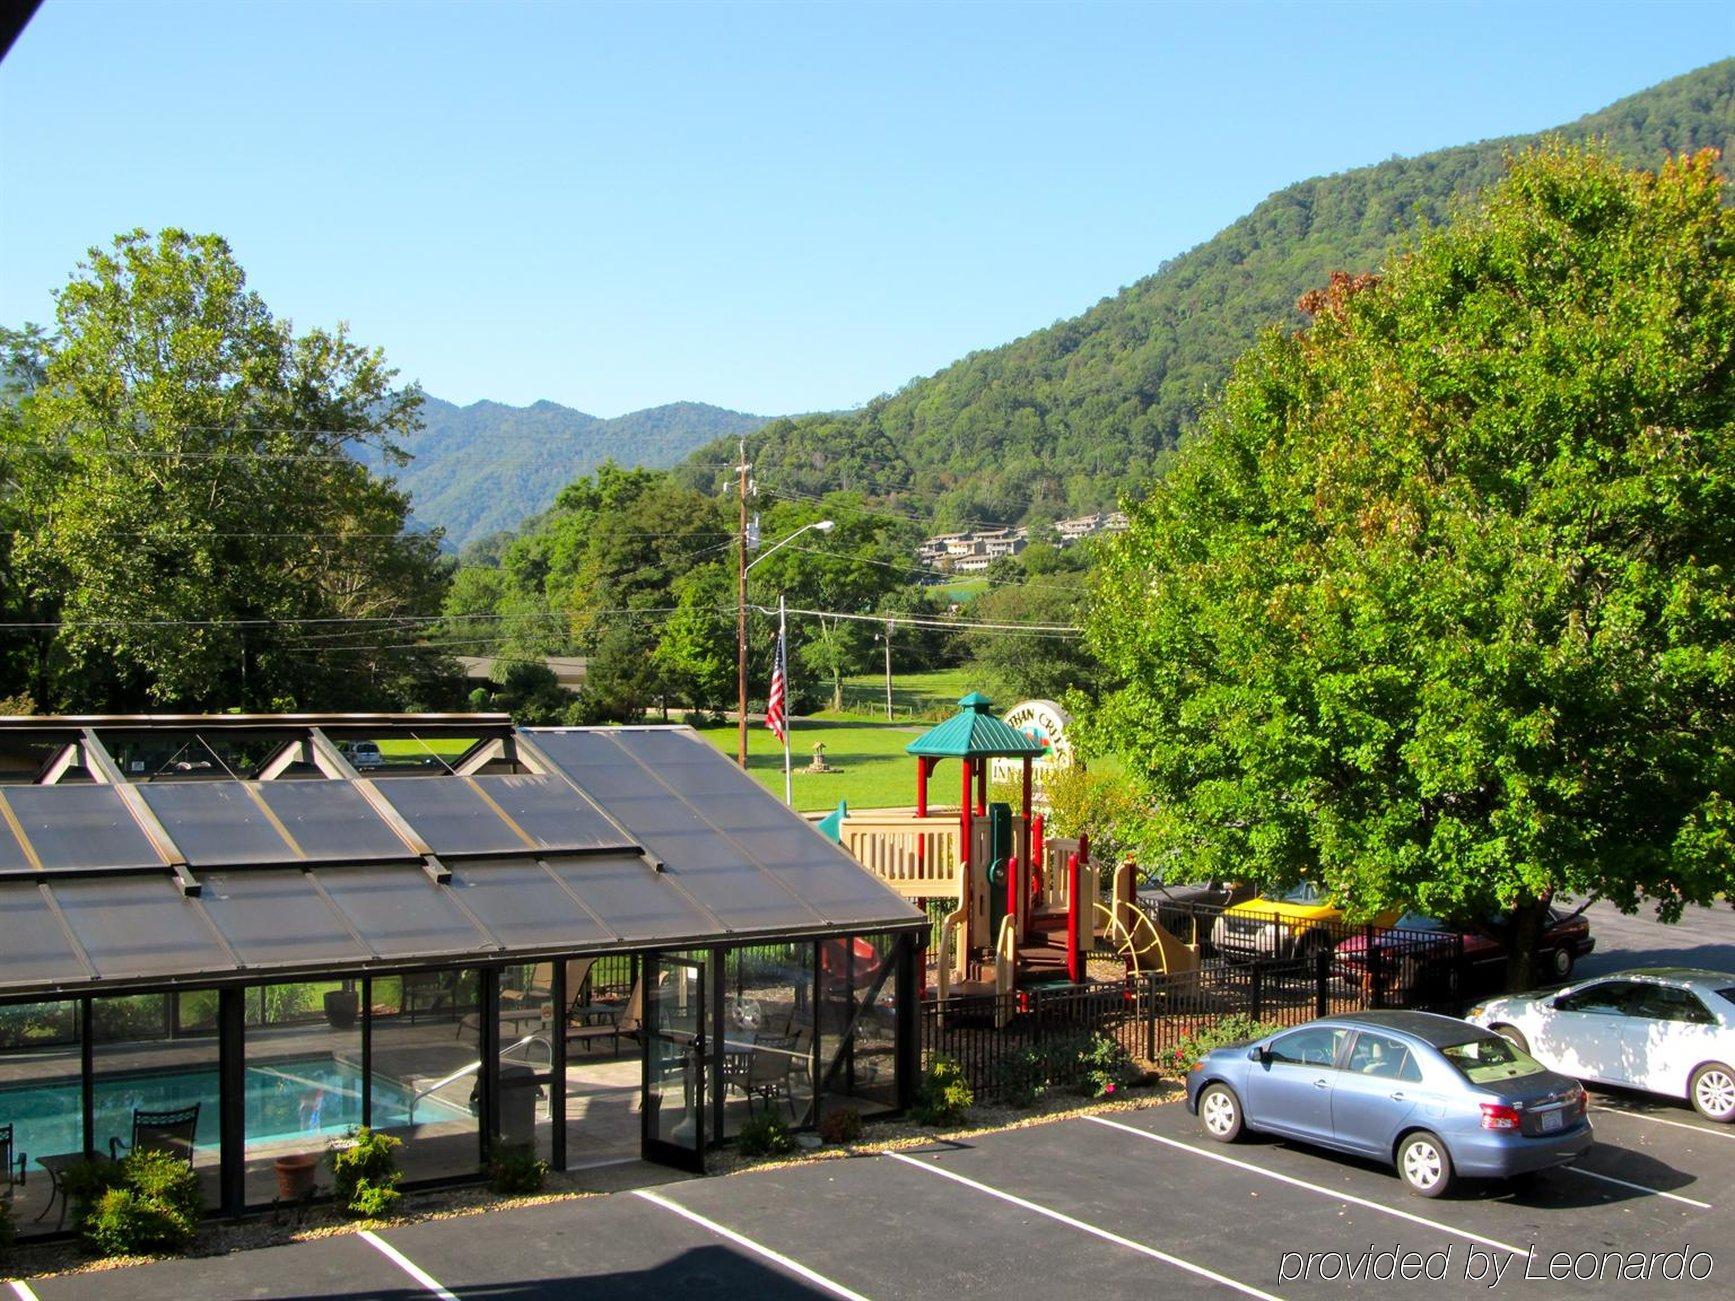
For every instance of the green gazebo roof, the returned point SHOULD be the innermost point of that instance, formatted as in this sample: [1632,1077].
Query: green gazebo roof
[974,733]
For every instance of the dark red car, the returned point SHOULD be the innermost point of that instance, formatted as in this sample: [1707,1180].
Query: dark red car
[1421,952]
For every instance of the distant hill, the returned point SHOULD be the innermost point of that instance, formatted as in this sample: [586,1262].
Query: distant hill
[487,467]
[1066,419]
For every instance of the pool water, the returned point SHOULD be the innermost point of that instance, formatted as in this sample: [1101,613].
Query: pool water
[295,1099]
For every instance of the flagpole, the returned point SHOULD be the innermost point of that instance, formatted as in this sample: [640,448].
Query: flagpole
[789,699]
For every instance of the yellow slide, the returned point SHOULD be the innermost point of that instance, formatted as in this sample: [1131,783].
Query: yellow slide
[1145,945]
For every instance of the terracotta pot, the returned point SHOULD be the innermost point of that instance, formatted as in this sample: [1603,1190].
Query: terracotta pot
[295,1175]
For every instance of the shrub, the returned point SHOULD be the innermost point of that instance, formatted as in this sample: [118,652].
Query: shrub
[766,1135]
[1235,1028]
[516,1169]
[371,1201]
[841,1126]
[1105,1067]
[945,1097]
[364,1168]
[148,1202]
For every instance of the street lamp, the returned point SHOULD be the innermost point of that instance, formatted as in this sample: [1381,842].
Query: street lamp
[821,526]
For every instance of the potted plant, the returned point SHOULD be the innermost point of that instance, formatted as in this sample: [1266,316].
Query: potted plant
[342,1006]
[295,1175]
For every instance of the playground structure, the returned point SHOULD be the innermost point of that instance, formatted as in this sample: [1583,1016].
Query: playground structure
[1026,909]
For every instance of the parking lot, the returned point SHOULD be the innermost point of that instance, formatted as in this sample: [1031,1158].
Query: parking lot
[1127,1204]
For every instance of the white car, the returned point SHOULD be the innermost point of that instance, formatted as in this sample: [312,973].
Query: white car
[1662,1029]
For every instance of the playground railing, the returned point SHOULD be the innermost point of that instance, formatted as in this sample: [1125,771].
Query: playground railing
[917,857]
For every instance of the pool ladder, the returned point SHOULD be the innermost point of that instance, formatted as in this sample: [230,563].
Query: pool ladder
[471,1069]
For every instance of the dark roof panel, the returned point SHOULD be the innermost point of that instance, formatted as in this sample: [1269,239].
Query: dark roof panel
[331,821]
[276,917]
[216,823]
[554,815]
[81,826]
[522,904]
[12,853]
[36,949]
[137,926]
[632,900]
[402,913]
[452,816]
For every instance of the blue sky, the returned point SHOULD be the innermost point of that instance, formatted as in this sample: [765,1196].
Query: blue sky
[774,207]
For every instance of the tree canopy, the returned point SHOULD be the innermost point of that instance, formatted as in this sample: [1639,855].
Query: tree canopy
[1438,606]
[188,526]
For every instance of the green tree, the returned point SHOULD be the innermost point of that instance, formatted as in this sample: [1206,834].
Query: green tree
[696,651]
[188,514]
[1438,606]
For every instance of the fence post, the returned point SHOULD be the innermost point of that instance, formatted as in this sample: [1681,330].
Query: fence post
[1256,996]
[1322,982]
[1376,975]
[1148,997]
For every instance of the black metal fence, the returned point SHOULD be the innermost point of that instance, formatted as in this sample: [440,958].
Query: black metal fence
[1271,971]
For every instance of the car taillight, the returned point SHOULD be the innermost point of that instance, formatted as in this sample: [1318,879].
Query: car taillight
[1497,1115]
[1577,1102]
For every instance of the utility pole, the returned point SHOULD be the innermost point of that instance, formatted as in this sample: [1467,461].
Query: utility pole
[888,670]
[741,612]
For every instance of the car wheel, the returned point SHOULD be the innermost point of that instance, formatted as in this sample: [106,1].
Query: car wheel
[1513,1036]
[1424,1164]
[1220,1113]
[1560,963]
[1713,1092]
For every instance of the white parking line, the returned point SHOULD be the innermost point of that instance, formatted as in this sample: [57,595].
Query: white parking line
[1091,1229]
[1664,1120]
[1643,1188]
[1453,1230]
[741,1240]
[24,1290]
[404,1263]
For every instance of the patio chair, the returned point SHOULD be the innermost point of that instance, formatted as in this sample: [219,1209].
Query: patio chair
[595,1024]
[161,1131]
[11,1166]
[770,1070]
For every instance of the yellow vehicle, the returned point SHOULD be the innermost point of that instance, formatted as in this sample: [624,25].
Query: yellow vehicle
[1292,923]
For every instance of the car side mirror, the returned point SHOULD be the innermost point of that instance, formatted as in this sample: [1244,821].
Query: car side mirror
[1260,1054]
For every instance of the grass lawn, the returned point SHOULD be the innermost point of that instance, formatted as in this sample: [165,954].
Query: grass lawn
[916,697]
[874,771]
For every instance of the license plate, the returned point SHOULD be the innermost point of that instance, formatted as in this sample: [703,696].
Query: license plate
[1551,1121]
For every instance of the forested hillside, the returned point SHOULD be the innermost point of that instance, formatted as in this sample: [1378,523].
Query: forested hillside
[1069,417]
[487,467]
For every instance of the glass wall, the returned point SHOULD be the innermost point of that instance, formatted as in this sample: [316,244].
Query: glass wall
[525,1032]
[767,1034]
[426,1059]
[41,1104]
[858,1023]
[303,1083]
[153,1088]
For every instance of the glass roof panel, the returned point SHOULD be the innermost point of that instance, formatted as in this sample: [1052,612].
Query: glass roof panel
[522,904]
[451,816]
[11,852]
[631,899]
[81,826]
[551,813]
[331,820]
[36,948]
[216,822]
[401,911]
[275,916]
[139,926]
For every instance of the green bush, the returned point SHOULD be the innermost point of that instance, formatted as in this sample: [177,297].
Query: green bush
[371,1201]
[516,1169]
[364,1169]
[945,1097]
[1106,1067]
[1236,1028]
[766,1135]
[841,1126]
[149,1202]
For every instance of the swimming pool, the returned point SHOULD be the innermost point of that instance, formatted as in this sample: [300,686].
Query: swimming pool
[295,1099]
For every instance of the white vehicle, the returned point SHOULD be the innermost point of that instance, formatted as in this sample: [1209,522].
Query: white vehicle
[363,756]
[1662,1029]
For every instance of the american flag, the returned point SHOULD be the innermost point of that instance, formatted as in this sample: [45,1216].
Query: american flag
[776,704]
